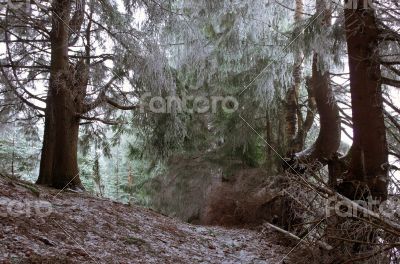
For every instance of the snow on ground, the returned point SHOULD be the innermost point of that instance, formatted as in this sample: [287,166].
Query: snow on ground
[79,228]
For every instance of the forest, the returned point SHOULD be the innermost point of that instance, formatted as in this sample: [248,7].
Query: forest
[200,131]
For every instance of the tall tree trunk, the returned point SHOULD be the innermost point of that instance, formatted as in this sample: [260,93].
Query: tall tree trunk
[329,137]
[305,125]
[369,155]
[367,171]
[292,94]
[47,155]
[65,164]
[328,141]
[59,165]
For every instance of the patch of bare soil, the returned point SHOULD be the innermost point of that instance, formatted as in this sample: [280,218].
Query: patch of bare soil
[41,225]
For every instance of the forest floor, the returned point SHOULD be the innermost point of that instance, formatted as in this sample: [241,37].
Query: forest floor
[43,225]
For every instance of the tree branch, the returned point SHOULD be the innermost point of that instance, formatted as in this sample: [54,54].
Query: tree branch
[120,106]
[391,82]
[104,121]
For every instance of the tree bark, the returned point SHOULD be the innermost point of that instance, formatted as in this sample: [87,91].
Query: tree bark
[292,94]
[59,165]
[369,151]
[47,154]
[328,141]
[329,137]
[306,124]
[65,166]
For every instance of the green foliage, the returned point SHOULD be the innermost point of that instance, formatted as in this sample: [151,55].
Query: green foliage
[121,173]
[221,56]
[85,162]
[19,153]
